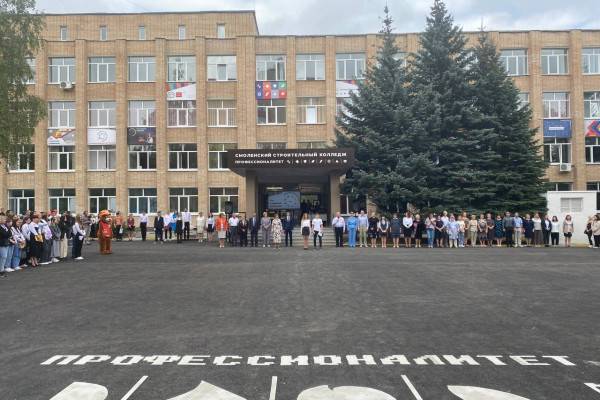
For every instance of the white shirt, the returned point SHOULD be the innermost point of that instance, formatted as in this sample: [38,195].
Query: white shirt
[555,227]
[34,228]
[200,222]
[25,231]
[233,221]
[338,222]
[167,218]
[186,216]
[407,222]
[143,219]
[305,223]
[317,223]
[77,231]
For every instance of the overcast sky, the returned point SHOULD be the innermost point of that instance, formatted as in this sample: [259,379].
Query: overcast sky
[361,16]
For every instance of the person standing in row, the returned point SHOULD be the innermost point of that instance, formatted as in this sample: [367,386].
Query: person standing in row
[233,229]
[363,227]
[130,227]
[445,233]
[186,217]
[277,230]
[119,226]
[143,225]
[555,231]
[430,229]
[568,230]
[546,230]
[352,226]
[19,245]
[288,228]
[78,236]
[588,231]
[528,227]
[210,227]
[243,231]
[254,226]
[221,227]
[5,237]
[200,226]
[168,233]
[461,231]
[179,227]
[317,229]
[159,227]
[36,241]
[407,229]
[453,231]
[373,222]
[395,230]
[440,229]
[482,230]
[265,228]
[47,245]
[339,226]
[538,235]
[508,225]
[305,229]
[596,231]
[518,230]
[418,228]
[56,239]
[383,228]
[499,230]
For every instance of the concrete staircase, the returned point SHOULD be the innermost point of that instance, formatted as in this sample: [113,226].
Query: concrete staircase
[328,238]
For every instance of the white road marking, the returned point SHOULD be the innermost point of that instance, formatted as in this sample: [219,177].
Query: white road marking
[135,387]
[273,388]
[82,391]
[343,393]
[411,387]
[206,391]
[478,393]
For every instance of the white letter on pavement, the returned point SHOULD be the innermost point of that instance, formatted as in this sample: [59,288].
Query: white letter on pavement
[91,359]
[365,359]
[527,360]
[66,360]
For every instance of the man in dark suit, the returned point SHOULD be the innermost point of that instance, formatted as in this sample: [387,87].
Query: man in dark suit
[253,227]
[288,228]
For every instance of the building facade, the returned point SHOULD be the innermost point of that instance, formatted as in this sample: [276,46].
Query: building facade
[143,108]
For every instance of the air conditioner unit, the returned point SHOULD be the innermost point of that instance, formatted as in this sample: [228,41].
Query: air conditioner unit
[565,167]
[66,85]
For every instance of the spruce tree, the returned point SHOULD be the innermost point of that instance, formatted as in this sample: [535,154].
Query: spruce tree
[518,167]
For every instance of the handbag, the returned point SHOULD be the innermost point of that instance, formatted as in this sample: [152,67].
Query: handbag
[39,238]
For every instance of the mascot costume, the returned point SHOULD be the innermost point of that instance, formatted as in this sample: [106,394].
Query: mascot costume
[105,232]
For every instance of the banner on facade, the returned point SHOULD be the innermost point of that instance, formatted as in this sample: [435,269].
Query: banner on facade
[141,136]
[271,90]
[592,128]
[102,136]
[284,200]
[341,159]
[557,128]
[181,91]
[61,137]
[344,88]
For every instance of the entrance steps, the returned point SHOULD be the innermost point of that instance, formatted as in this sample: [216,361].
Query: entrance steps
[297,239]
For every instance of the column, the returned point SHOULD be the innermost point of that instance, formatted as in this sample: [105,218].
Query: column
[122,111]
[290,76]
[40,137]
[330,95]
[162,186]
[201,119]
[577,122]
[81,111]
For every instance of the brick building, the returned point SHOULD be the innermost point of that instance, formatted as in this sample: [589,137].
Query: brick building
[142,109]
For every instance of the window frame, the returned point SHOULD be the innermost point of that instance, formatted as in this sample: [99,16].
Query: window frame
[546,61]
[108,152]
[141,32]
[64,155]
[221,31]
[521,61]
[27,155]
[60,69]
[228,112]
[146,65]
[318,65]
[178,198]
[150,199]
[103,110]
[103,33]
[187,62]
[319,110]
[562,144]
[278,110]
[559,105]
[220,154]
[141,151]
[54,200]
[262,66]
[175,115]
[223,197]
[63,33]
[181,32]
[180,154]
[589,99]
[29,200]
[587,60]
[149,112]
[109,199]
[592,150]
[96,66]
[213,63]
[360,63]
[59,113]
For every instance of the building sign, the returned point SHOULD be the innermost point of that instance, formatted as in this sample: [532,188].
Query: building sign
[321,158]
[271,90]
[557,128]
[284,200]
[141,136]
[102,136]
[344,88]
[592,128]
[181,91]
[61,137]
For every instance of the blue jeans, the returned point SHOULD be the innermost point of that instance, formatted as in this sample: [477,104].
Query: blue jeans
[3,256]
[430,237]
[352,237]
[9,255]
[461,238]
[16,256]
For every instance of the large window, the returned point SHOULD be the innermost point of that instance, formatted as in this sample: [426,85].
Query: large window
[312,145]
[31,63]
[181,113]
[349,66]
[523,99]
[592,150]
[182,69]
[270,68]
[270,112]
[102,114]
[556,105]
[61,114]
[183,156]
[591,105]
[311,110]
[183,198]
[142,69]
[557,150]
[310,67]
[142,201]
[142,157]
[571,204]
[514,61]
[591,60]
[61,158]
[102,158]
[101,69]
[61,70]
[555,61]
[221,113]
[221,68]
[217,155]
[21,200]
[218,198]
[593,186]
[142,113]
[24,159]
[271,145]
[561,186]
[62,200]
[102,199]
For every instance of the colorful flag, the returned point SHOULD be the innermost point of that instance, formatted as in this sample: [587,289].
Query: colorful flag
[593,129]
[266,90]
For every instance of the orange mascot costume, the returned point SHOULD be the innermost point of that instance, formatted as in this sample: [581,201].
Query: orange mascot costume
[105,232]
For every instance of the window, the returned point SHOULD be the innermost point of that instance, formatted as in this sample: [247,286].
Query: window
[61,158]
[270,68]
[571,204]
[142,69]
[141,32]
[312,145]
[62,200]
[523,99]
[142,113]
[402,57]
[24,159]
[61,114]
[270,112]
[31,80]
[271,145]
[221,31]
[183,156]
[218,197]
[591,60]
[341,106]
[217,155]
[183,198]
[103,32]
[101,69]
[102,114]
[514,61]
[61,70]
[310,67]
[593,186]
[221,113]
[311,110]
[181,31]
[64,33]
[181,113]
[557,150]
[221,68]
[102,157]
[142,157]
[556,105]
[591,105]
[182,69]
[142,200]
[592,150]
[21,200]
[555,61]
[102,199]
[349,66]
[561,186]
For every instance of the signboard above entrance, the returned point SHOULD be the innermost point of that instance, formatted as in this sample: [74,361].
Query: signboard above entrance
[326,159]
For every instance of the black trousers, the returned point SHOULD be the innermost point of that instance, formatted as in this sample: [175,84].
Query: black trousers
[546,238]
[508,234]
[143,230]
[253,238]
[288,233]
[243,239]
[339,237]
[76,250]
[158,235]
[186,230]
[233,235]
[590,239]
[315,236]
[597,240]
[555,238]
